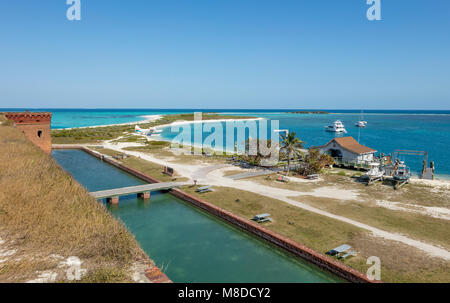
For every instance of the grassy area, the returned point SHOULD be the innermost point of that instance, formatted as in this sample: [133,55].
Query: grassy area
[161,150]
[44,213]
[143,166]
[130,138]
[90,135]
[416,226]
[313,230]
[366,210]
[399,262]
[271,180]
[97,134]
[412,194]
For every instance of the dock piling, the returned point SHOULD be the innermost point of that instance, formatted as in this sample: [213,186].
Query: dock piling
[113,200]
[144,195]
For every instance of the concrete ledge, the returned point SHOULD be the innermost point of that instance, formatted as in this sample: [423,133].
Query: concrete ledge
[326,263]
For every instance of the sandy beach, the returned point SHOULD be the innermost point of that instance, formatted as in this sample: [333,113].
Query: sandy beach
[184,122]
[148,118]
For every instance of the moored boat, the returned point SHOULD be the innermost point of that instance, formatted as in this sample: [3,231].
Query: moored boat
[337,127]
[361,122]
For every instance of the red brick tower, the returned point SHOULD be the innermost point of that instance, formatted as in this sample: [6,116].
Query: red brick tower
[36,127]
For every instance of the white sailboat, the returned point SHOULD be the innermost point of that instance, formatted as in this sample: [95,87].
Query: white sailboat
[361,122]
[337,127]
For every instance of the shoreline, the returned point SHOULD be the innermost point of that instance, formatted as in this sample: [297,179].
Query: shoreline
[175,123]
[158,137]
[152,118]
[148,118]
[443,179]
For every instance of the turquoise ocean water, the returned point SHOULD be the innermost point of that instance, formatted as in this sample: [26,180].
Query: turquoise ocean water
[386,131]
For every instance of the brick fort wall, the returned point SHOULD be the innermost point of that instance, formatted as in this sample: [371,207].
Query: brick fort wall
[36,126]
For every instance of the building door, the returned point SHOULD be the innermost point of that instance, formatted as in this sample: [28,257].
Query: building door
[335,153]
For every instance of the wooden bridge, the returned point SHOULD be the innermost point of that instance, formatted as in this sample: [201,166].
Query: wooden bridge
[143,191]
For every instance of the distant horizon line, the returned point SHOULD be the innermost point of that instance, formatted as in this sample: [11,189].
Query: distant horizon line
[214,109]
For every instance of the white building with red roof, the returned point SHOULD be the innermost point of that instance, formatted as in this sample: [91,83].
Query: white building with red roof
[348,150]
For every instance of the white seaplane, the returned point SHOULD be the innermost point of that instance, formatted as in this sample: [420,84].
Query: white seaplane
[147,132]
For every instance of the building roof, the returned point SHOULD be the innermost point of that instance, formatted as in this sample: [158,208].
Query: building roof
[29,117]
[349,143]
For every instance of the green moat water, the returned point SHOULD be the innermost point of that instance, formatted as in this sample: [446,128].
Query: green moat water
[188,244]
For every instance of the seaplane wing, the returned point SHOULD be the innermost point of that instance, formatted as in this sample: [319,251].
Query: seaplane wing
[139,130]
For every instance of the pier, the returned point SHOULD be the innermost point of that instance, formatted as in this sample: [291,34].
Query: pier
[143,191]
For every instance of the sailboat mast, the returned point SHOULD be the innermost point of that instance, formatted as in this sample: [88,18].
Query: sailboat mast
[359,133]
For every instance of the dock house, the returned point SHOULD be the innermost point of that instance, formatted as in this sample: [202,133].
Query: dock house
[346,151]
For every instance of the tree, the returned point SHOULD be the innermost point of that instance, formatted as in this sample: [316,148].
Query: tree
[253,153]
[291,146]
[315,162]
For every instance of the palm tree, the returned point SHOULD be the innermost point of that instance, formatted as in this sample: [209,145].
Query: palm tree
[291,145]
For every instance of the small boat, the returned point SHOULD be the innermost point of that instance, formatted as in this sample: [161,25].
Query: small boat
[402,173]
[337,127]
[361,122]
[375,173]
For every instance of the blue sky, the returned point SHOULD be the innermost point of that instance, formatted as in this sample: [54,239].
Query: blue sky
[225,54]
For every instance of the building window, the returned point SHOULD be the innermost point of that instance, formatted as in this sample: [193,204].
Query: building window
[39,133]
